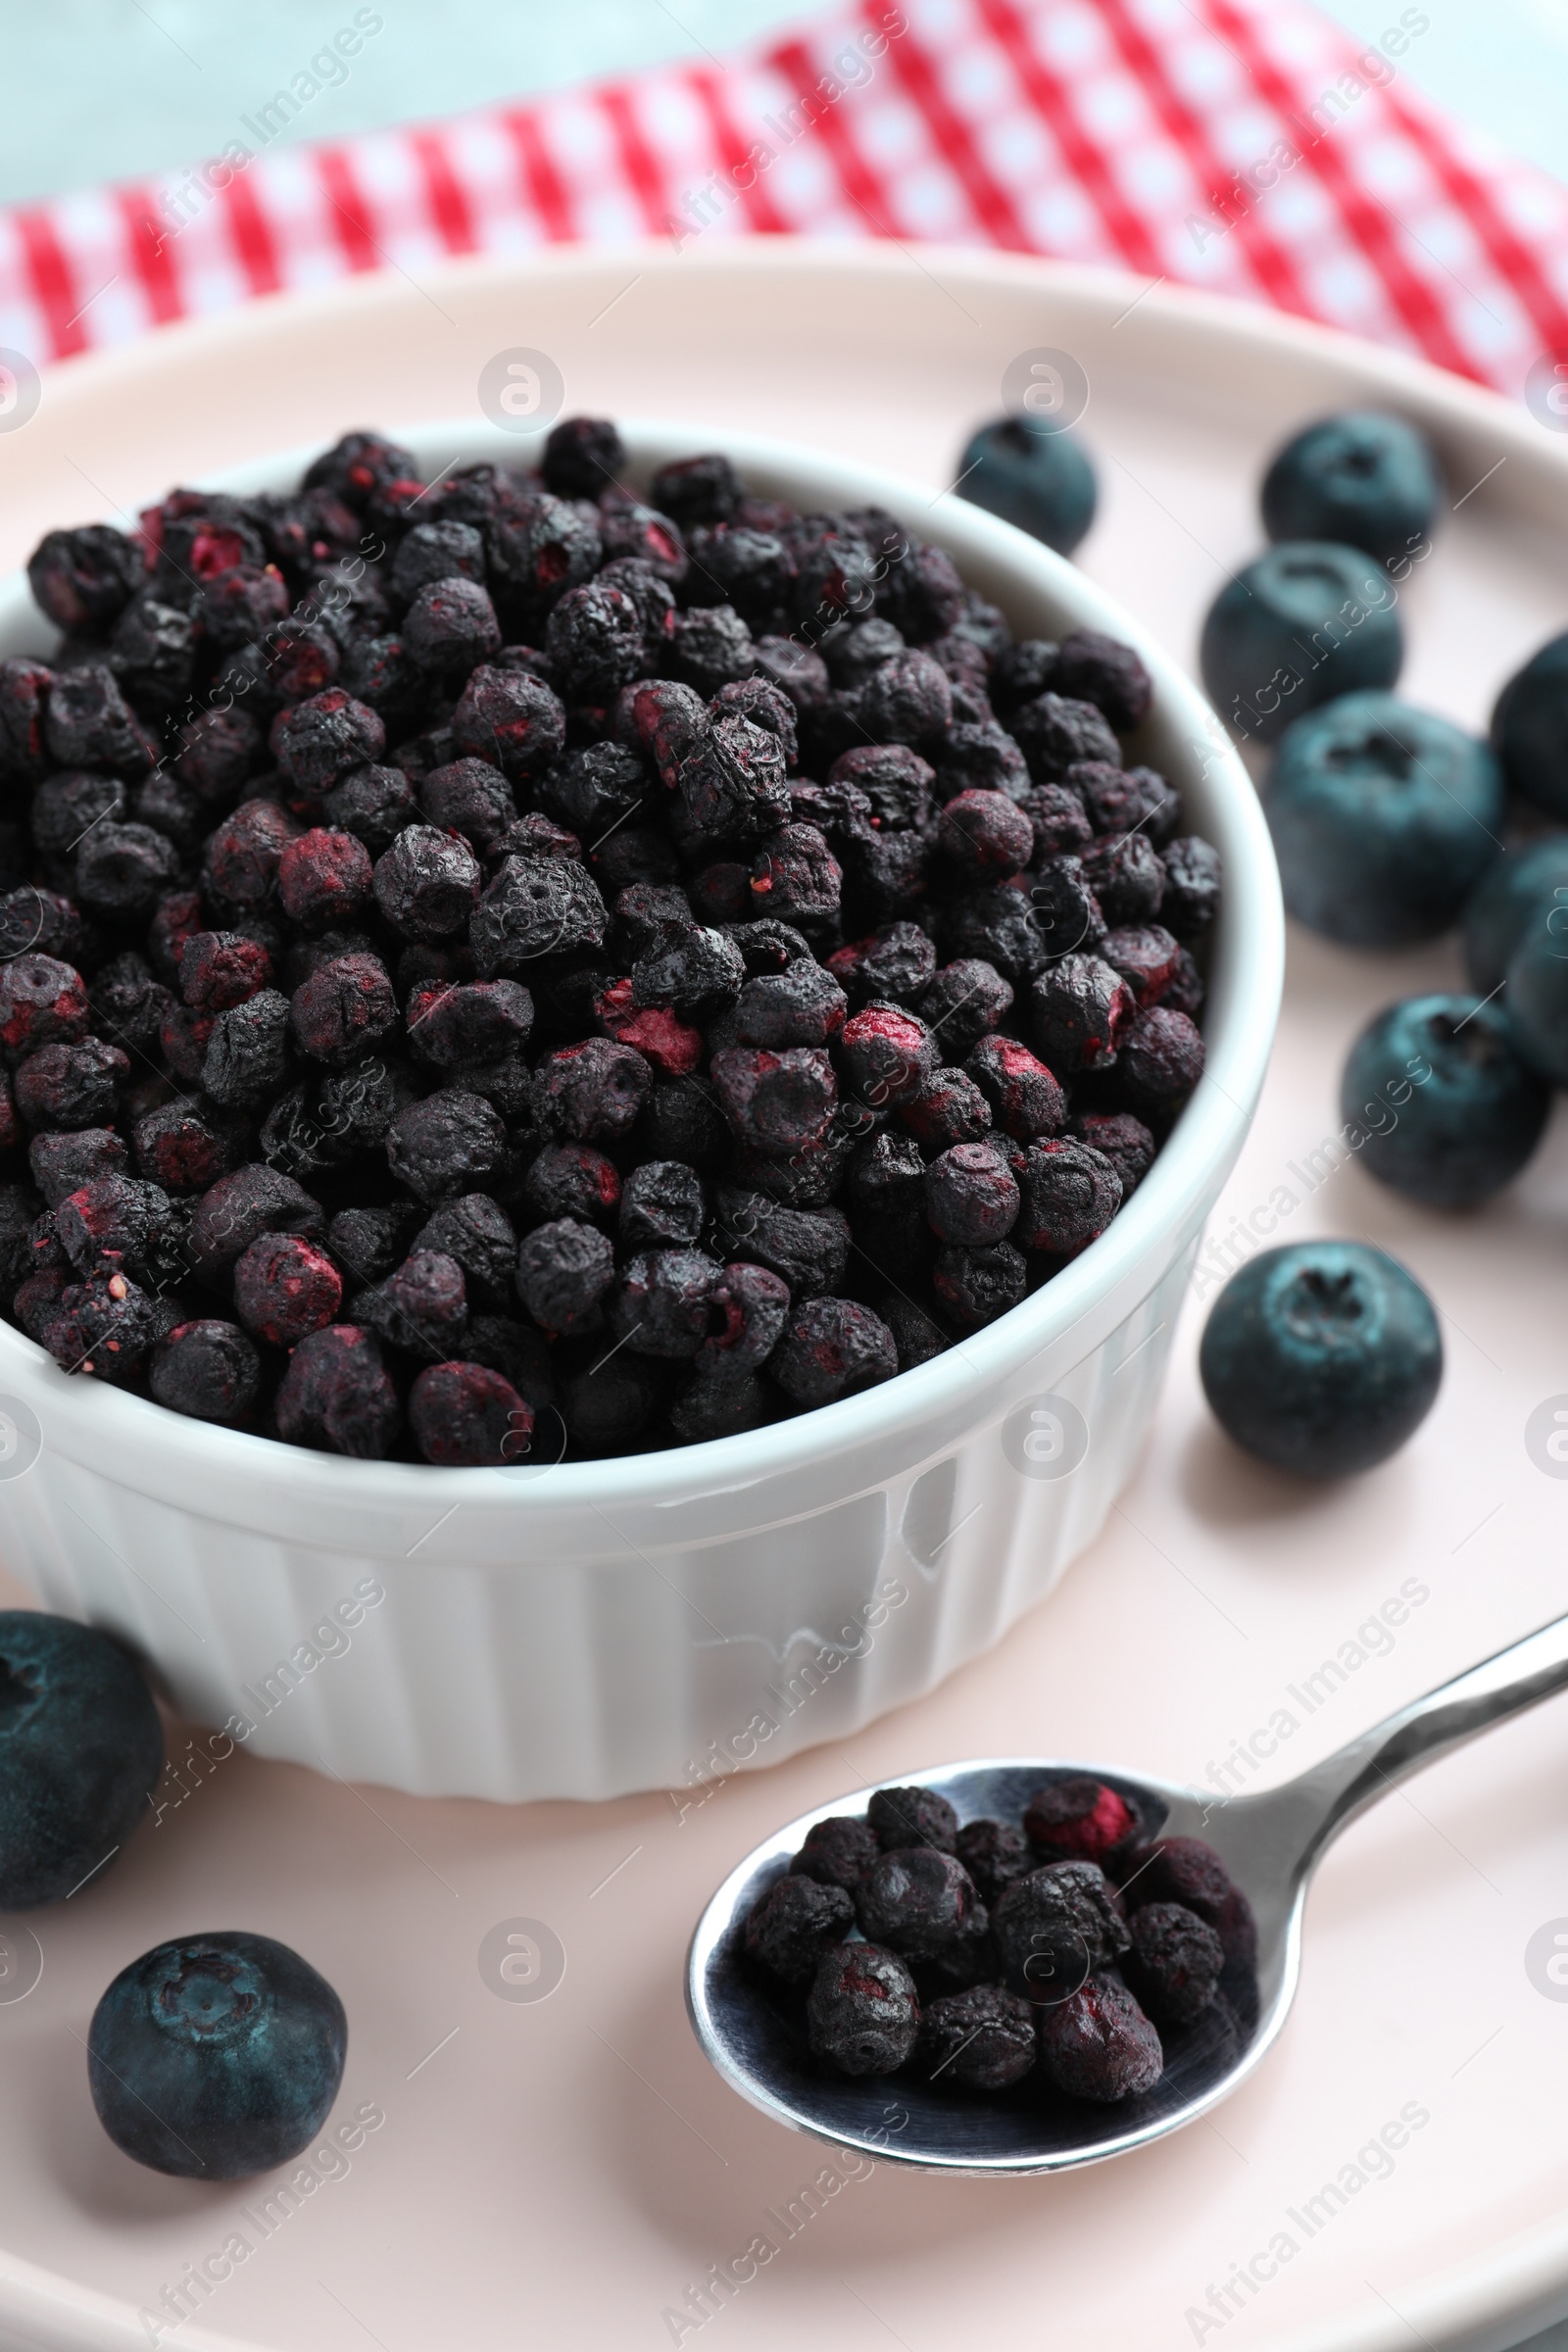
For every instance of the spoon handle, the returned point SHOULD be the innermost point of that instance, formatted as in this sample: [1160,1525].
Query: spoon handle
[1312,1810]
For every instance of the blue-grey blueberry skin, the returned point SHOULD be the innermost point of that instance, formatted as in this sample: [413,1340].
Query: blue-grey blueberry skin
[1525,887]
[1537,1001]
[1296,628]
[81,1752]
[1038,479]
[1448,1113]
[1530,729]
[1321,1358]
[1384,819]
[216,2056]
[1363,477]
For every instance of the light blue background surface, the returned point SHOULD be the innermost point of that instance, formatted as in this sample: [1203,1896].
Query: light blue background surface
[102,90]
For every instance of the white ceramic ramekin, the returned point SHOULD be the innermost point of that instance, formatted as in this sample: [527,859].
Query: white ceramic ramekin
[582,1630]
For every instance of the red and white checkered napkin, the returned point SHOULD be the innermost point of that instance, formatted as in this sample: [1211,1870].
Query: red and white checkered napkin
[1240,145]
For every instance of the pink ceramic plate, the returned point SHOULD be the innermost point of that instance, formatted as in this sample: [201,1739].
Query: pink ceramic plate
[566,2168]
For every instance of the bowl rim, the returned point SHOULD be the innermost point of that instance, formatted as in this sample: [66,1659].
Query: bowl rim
[1240,1021]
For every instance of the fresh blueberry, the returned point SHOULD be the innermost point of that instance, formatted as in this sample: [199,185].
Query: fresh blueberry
[1530,729]
[81,1750]
[216,2056]
[1537,1001]
[1321,1358]
[1033,477]
[1448,1112]
[1363,477]
[1303,623]
[1384,817]
[1522,885]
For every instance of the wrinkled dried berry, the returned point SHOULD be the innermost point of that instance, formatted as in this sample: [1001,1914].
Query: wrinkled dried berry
[285,1286]
[916,1900]
[1077,1820]
[1068,1195]
[982,2040]
[206,1369]
[1055,1926]
[864,2013]
[427,883]
[661,1306]
[1025,1099]
[421,1309]
[790,1929]
[1097,2044]
[337,1395]
[1080,1011]
[838,1851]
[467,1415]
[994,1853]
[832,1347]
[971,1196]
[71,1086]
[453,1142]
[1175,1962]
[563,1270]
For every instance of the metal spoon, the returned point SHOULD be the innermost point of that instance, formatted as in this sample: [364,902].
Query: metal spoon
[1270,1843]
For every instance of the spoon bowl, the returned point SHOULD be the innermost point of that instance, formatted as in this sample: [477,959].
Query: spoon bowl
[1270,1843]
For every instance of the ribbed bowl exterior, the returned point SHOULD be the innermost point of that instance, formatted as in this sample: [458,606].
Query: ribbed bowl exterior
[667,1619]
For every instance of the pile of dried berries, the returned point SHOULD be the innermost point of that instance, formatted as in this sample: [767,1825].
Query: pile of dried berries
[1076,1950]
[509,951]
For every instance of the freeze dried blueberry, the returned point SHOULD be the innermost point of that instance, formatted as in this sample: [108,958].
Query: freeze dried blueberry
[705,489]
[471,798]
[753,1302]
[572,1180]
[1192,886]
[1148,959]
[994,1853]
[1174,1966]
[896,964]
[1097,2044]
[971,1196]
[887,1055]
[862,2014]
[121,871]
[435,550]
[346,1006]
[253,1200]
[1178,1870]
[917,1338]
[320,740]
[427,883]
[373,804]
[61,1164]
[1094,669]
[38,1302]
[808,1247]
[1078,1819]
[247,1058]
[370,1241]
[185,1145]
[113,1220]
[102,1327]
[1126,878]
[453,1022]
[776,1102]
[42,922]
[1054,731]
[801,1006]
[709,646]
[832,1347]
[916,1900]
[239,868]
[422,1307]
[907,699]
[838,1851]
[1068,1195]
[451,626]
[1159,1062]
[788,1930]
[83,578]
[977,1284]
[358,466]
[696,972]
[1055,1926]
[661,1204]
[184,1038]
[593,639]
[453,1142]
[948,1110]
[1001,927]
[71,1086]
[219,750]
[563,1270]
[984,836]
[325,878]
[1126,799]
[1122,1140]
[535,907]
[982,2040]
[475,1232]
[1080,1011]
[1061,828]
[467,1415]
[914,1816]
[964,1003]
[894,779]
[285,1286]
[90,723]
[207,1369]
[1025,1097]
[66,807]
[592,1092]
[582,456]
[171,809]
[513,721]
[661,1307]
[23,705]
[338,1397]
